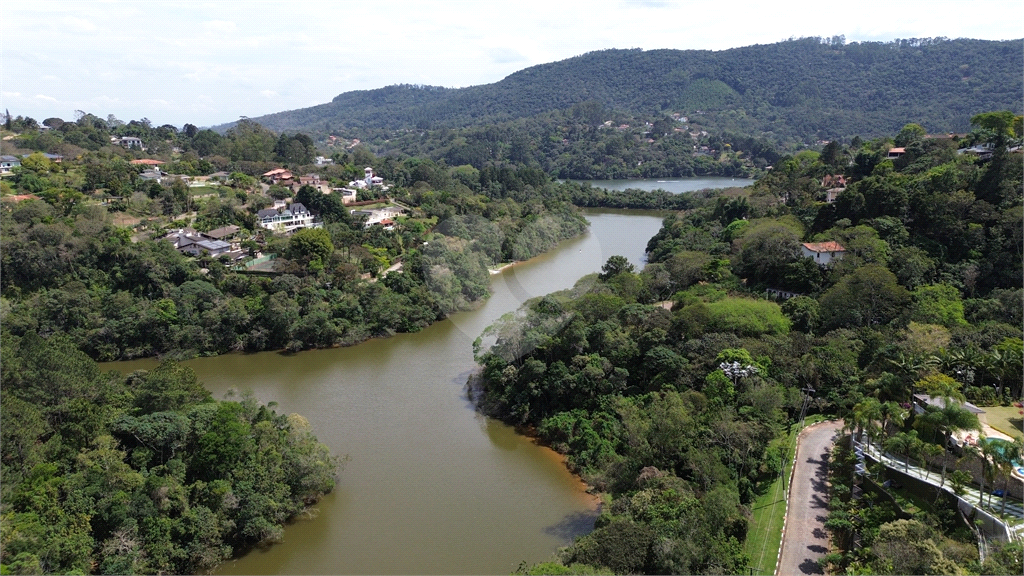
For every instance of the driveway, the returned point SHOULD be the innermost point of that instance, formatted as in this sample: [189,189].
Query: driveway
[805,539]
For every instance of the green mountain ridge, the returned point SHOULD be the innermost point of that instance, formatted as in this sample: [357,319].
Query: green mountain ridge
[796,90]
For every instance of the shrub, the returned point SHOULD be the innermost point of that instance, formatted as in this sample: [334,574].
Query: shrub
[747,317]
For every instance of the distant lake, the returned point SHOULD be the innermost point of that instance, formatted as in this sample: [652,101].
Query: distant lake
[673,185]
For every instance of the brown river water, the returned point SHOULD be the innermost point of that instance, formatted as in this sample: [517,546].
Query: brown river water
[431,487]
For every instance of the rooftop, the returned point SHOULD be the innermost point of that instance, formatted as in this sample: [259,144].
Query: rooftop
[941,403]
[830,246]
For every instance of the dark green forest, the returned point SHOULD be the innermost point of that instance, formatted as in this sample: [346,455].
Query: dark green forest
[140,474]
[800,90]
[679,412]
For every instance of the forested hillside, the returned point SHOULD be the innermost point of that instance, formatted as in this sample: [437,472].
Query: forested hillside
[793,91]
[672,387]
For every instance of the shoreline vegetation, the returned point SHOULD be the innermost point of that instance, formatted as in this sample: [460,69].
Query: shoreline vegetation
[681,415]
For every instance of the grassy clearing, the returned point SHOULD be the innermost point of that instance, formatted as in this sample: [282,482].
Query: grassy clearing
[1006,419]
[769,512]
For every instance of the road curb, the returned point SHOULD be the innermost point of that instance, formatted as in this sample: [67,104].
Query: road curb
[789,490]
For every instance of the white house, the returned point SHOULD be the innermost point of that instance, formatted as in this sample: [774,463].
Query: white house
[823,252]
[288,220]
[348,195]
[379,215]
[8,163]
[131,142]
[368,180]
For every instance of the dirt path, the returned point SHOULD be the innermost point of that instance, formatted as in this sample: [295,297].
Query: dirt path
[805,539]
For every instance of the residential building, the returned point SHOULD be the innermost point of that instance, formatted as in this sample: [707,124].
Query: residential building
[288,220]
[187,241]
[348,195]
[8,164]
[835,183]
[923,401]
[221,233]
[823,253]
[323,186]
[131,142]
[895,153]
[153,173]
[379,215]
[368,180]
[279,176]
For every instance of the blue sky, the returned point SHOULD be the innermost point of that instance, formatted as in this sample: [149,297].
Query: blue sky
[211,62]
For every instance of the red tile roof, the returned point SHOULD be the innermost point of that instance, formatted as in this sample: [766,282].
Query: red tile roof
[897,150]
[830,246]
[147,162]
[20,197]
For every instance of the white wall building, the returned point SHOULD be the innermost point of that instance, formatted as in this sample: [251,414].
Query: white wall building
[288,220]
[823,252]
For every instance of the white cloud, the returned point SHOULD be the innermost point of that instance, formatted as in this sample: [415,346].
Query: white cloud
[220,26]
[215,61]
[79,24]
[505,55]
[45,97]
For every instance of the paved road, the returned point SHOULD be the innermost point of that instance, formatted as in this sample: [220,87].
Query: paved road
[805,539]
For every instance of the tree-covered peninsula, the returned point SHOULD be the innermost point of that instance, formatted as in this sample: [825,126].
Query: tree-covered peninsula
[140,474]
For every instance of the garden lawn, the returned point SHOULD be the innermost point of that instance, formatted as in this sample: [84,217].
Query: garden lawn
[1006,419]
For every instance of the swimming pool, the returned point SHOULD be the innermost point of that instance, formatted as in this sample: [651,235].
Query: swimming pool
[1002,446]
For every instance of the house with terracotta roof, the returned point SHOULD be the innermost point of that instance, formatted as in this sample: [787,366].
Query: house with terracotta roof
[279,176]
[146,162]
[323,186]
[823,253]
[895,153]
[834,184]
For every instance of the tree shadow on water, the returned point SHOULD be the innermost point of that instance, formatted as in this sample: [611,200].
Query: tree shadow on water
[572,525]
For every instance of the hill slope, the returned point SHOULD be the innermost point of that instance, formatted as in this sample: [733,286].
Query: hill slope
[794,90]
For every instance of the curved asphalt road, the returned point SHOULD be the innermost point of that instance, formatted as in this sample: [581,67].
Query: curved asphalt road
[805,539]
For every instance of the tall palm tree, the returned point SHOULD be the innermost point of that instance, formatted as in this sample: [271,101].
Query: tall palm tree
[903,443]
[864,416]
[929,450]
[988,469]
[1010,453]
[949,419]
[894,413]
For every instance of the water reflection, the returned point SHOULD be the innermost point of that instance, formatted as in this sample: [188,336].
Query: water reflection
[573,524]
[432,486]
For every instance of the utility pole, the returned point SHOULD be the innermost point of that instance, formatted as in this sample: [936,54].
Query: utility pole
[808,393]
